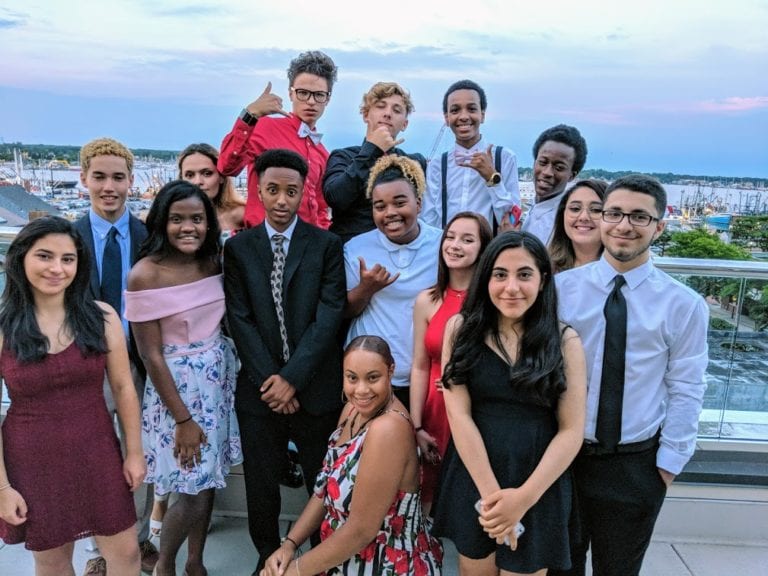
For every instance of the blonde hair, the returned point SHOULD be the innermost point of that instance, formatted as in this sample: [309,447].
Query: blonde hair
[104,147]
[391,167]
[382,90]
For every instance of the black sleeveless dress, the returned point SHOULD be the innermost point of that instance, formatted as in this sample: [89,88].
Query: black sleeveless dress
[516,432]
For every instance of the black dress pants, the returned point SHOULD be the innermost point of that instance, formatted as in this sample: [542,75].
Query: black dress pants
[617,499]
[264,438]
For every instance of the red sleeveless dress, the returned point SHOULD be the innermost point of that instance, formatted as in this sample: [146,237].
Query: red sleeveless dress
[61,451]
[434,418]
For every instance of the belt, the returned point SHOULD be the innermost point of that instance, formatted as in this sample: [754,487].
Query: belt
[595,449]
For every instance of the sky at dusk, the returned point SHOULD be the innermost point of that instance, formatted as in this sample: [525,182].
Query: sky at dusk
[654,85]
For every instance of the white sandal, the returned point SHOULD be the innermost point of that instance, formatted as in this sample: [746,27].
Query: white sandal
[155,528]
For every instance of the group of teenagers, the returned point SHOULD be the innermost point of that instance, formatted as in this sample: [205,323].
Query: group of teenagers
[445,368]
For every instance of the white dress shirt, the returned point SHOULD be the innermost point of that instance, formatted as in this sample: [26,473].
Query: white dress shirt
[666,356]
[389,314]
[540,220]
[467,189]
[287,235]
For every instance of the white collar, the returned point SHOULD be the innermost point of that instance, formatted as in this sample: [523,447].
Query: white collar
[306,131]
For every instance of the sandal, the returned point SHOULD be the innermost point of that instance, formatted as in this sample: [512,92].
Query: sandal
[155,528]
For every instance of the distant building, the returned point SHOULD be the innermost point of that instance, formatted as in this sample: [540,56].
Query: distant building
[16,205]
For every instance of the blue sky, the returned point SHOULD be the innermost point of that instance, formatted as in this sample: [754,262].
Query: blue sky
[658,85]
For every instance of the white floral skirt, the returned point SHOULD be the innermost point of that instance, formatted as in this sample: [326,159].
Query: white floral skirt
[205,374]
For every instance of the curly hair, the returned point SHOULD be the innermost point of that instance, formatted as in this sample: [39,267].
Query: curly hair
[315,63]
[465,85]
[382,90]
[390,168]
[104,147]
[569,136]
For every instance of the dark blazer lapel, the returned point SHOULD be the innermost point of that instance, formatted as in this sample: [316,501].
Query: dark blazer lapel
[299,241]
[138,233]
[84,227]
[263,246]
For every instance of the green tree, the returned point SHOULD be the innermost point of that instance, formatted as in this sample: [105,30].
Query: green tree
[664,241]
[700,244]
[747,229]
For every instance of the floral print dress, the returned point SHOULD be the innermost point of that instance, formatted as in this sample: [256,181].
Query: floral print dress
[403,544]
[203,364]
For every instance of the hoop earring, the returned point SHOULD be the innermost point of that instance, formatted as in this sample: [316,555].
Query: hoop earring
[344,399]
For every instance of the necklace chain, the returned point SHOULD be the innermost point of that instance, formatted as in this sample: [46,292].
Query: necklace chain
[378,413]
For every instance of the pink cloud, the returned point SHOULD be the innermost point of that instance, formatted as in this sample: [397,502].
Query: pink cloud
[733,104]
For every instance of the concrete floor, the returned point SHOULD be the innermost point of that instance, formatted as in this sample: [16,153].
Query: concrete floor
[229,553]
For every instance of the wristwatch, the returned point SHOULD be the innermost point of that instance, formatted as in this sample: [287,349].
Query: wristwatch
[494,179]
[248,118]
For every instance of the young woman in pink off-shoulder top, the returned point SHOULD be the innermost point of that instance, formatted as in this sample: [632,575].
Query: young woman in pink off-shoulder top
[175,302]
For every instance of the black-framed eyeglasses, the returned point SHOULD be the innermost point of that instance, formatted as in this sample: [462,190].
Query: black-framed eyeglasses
[635,218]
[320,96]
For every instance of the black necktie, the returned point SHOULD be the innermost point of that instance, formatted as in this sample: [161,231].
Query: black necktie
[608,430]
[112,271]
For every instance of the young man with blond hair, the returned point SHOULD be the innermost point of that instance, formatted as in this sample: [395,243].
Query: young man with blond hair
[385,109]
[107,173]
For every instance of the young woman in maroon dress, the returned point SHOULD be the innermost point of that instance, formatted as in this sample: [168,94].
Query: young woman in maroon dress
[62,475]
[464,239]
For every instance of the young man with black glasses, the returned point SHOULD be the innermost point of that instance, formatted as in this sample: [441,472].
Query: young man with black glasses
[311,76]
[645,340]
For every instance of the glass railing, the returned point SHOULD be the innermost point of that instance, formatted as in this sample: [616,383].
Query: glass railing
[736,400]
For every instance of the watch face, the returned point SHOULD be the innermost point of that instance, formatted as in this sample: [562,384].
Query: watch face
[496,178]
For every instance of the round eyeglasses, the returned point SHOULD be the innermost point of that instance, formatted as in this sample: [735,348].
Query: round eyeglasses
[594,211]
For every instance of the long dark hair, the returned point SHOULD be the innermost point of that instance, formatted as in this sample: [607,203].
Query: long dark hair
[484,232]
[560,246]
[157,242]
[538,370]
[18,323]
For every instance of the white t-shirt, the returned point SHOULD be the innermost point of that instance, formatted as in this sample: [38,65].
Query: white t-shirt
[389,314]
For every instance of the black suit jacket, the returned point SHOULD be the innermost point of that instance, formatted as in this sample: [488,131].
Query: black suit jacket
[138,233]
[314,294]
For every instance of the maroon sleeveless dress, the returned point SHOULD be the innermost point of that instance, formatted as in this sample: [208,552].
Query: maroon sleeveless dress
[61,451]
